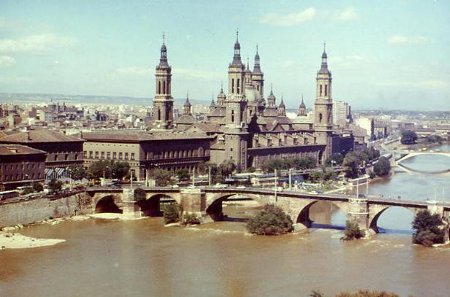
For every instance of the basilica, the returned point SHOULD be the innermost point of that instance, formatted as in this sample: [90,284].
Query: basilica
[242,126]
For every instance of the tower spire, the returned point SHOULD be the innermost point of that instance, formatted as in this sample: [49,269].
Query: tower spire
[237,51]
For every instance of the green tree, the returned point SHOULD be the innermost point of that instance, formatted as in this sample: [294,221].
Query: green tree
[171,213]
[139,194]
[270,221]
[408,137]
[337,159]
[351,164]
[427,228]
[227,168]
[102,168]
[162,177]
[183,174]
[316,176]
[77,172]
[38,187]
[55,185]
[119,169]
[382,167]
[352,231]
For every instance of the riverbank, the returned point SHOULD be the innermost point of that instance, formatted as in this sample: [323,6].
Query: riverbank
[11,240]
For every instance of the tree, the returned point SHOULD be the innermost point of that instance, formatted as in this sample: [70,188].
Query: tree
[351,164]
[139,194]
[408,137]
[102,168]
[55,185]
[171,213]
[427,228]
[270,221]
[227,168]
[38,187]
[162,177]
[337,159]
[120,169]
[183,174]
[382,167]
[27,190]
[77,172]
[352,231]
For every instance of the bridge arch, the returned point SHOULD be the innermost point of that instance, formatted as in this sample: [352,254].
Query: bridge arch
[410,155]
[303,215]
[152,205]
[214,204]
[373,218]
[107,203]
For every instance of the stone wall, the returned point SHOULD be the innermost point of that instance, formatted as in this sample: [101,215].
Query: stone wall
[39,209]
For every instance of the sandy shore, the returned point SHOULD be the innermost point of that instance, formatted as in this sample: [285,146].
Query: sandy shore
[9,240]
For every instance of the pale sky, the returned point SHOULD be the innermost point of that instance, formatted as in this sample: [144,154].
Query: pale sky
[382,54]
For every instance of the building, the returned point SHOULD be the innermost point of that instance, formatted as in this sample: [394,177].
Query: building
[241,126]
[20,165]
[341,113]
[62,150]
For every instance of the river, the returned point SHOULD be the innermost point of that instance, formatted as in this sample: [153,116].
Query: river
[144,258]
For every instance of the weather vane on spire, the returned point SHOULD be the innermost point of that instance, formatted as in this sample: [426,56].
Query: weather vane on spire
[164,38]
[237,34]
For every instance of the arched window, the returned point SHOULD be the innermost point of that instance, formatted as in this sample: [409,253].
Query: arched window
[201,152]
[232,85]
[326,90]
[320,90]
[238,85]
[164,87]
[159,114]
[320,117]
[232,116]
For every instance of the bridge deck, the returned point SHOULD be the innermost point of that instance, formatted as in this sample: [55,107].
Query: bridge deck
[283,193]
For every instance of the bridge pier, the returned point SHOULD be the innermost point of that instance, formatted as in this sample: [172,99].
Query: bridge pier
[193,201]
[130,209]
[359,212]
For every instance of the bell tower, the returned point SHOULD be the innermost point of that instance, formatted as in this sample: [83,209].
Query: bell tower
[163,101]
[323,106]
[235,131]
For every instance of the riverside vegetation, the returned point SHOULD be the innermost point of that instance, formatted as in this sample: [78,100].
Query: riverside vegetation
[270,221]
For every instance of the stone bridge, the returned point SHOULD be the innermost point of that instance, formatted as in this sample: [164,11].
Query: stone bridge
[206,202]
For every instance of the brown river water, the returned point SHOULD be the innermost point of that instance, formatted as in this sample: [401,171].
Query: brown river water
[144,258]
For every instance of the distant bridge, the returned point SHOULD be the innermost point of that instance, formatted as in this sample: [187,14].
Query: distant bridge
[408,155]
[206,202]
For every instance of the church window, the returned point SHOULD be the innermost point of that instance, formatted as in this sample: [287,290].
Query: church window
[201,152]
[238,85]
[320,90]
[232,85]
[132,156]
[320,117]
[232,116]
[326,90]
[159,114]
[164,87]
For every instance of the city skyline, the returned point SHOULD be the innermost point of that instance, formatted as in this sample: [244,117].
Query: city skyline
[112,49]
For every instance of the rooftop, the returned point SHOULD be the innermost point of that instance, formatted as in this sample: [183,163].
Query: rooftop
[39,135]
[17,149]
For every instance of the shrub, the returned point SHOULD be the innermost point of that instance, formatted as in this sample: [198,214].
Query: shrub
[367,293]
[139,194]
[352,231]
[270,221]
[38,187]
[27,190]
[382,167]
[427,228]
[191,219]
[171,213]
